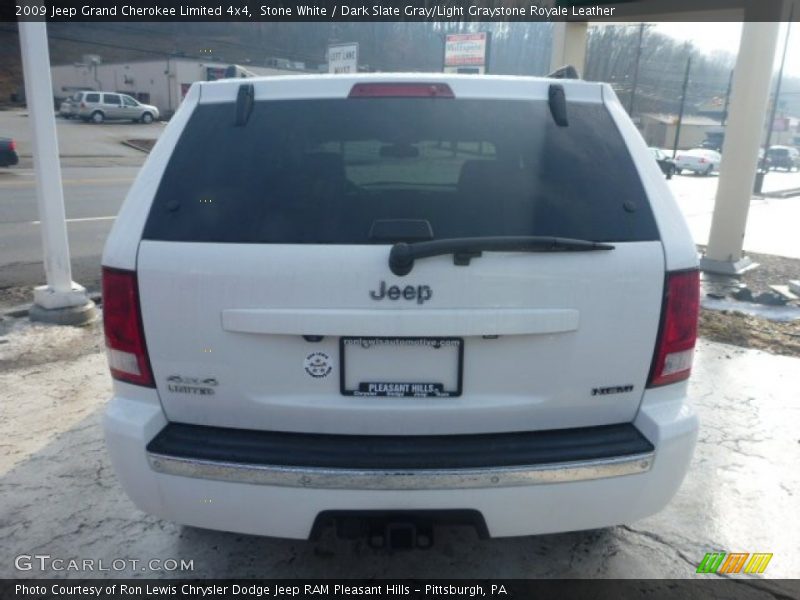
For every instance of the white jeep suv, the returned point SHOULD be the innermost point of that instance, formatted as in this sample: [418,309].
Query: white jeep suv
[392,300]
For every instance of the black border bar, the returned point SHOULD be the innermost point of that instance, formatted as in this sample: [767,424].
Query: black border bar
[394,10]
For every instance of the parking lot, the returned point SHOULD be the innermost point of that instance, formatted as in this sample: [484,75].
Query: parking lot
[61,498]
[771,223]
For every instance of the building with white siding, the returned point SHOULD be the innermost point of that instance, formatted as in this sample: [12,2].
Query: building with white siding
[160,82]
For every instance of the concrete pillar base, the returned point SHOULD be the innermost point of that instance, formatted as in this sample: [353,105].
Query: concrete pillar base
[727,267]
[70,315]
[47,297]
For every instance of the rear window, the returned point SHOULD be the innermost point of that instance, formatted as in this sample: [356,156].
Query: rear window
[324,171]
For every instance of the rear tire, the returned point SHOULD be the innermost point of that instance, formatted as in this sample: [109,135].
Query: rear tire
[708,171]
[670,172]
[98,117]
[147,118]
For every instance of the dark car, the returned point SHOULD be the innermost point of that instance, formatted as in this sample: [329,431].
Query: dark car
[8,152]
[666,164]
[783,157]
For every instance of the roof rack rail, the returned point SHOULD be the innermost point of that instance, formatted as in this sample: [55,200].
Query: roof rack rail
[565,72]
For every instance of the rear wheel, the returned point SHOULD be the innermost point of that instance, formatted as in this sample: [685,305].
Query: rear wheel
[147,118]
[98,117]
[708,171]
[670,172]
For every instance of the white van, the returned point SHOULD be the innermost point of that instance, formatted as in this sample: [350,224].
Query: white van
[98,107]
[397,300]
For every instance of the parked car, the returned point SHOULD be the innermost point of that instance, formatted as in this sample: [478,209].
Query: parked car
[714,141]
[665,163]
[102,106]
[8,152]
[68,109]
[343,318]
[784,157]
[701,161]
[763,161]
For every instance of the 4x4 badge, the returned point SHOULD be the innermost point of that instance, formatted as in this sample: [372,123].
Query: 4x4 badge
[199,386]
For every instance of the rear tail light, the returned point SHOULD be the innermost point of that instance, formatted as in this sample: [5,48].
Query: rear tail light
[702,160]
[674,353]
[83,105]
[401,90]
[12,145]
[122,320]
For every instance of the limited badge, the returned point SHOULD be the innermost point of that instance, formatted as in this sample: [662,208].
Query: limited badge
[318,365]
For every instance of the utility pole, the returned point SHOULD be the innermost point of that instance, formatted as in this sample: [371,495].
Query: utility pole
[61,300]
[771,123]
[683,104]
[636,70]
[727,99]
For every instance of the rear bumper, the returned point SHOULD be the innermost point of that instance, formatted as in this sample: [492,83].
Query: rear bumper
[360,462]
[541,496]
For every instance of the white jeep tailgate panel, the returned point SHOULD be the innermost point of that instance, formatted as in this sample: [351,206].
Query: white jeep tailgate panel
[567,324]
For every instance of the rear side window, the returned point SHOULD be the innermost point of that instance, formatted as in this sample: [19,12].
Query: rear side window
[93,97]
[111,99]
[324,171]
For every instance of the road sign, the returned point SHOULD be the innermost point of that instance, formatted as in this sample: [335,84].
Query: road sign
[466,52]
[343,58]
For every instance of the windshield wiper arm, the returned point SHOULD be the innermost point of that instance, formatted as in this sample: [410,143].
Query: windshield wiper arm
[403,255]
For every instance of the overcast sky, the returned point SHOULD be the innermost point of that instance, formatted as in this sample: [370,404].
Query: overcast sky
[708,37]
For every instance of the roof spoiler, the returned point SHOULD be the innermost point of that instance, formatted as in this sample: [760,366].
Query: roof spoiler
[565,72]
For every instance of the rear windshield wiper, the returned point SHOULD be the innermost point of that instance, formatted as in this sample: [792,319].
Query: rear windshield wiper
[403,255]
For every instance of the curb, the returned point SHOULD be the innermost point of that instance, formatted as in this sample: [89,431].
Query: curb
[783,194]
[135,146]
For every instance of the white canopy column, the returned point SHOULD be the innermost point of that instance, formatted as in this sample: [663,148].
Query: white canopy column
[569,45]
[743,133]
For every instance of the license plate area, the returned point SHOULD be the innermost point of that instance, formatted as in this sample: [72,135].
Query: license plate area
[401,366]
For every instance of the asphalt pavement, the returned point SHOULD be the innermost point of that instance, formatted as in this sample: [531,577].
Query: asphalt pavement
[82,143]
[771,222]
[92,197]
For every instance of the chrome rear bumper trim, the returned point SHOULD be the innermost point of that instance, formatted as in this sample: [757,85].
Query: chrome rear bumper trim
[422,479]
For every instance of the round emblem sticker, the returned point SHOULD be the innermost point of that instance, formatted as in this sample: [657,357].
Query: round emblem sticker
[318,365]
